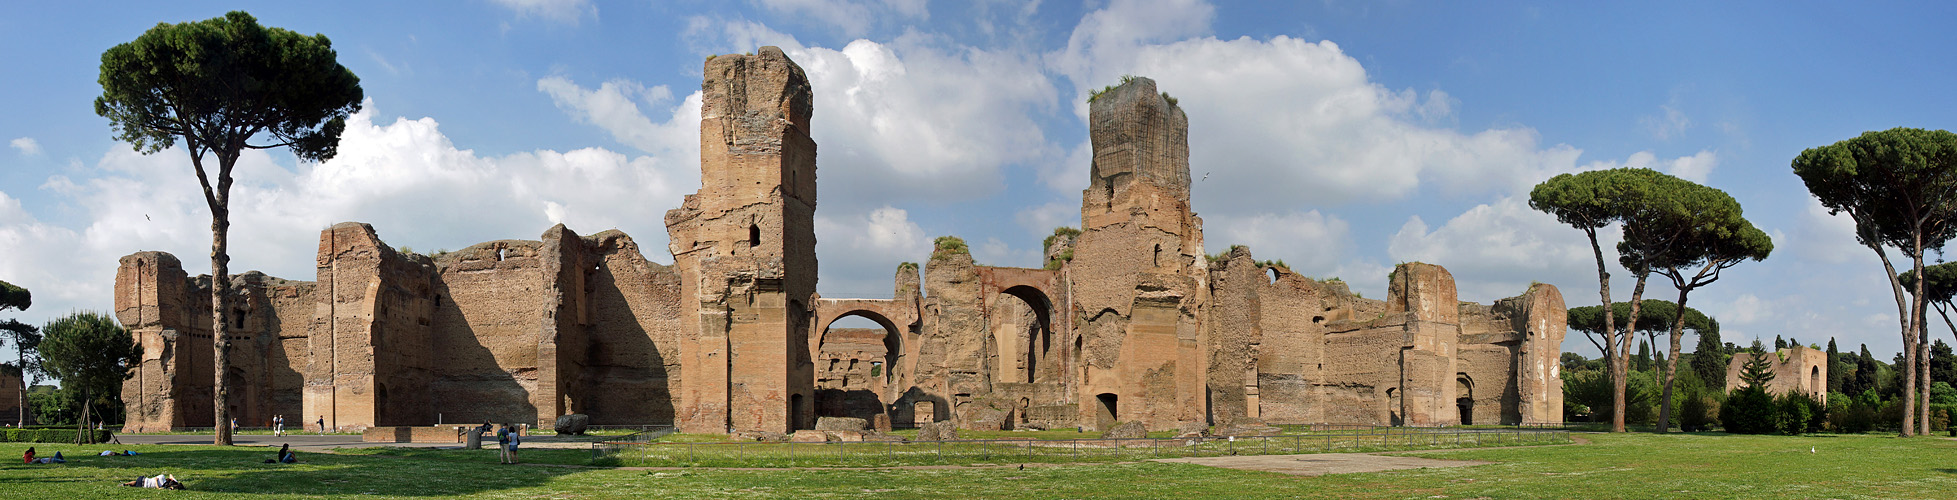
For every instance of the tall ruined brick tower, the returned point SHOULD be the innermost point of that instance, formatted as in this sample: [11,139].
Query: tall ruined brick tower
[745,245]
[1140,276]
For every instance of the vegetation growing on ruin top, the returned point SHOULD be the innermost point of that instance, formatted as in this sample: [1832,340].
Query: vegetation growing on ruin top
[1054,263]
[1096,94]
[947,245]
[907,267]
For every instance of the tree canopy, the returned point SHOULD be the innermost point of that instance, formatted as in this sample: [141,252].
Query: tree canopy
[1652,314]
[14,297]
[1900,188]
[89,352]
[217,83]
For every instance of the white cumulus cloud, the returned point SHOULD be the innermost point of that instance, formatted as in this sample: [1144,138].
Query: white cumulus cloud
[27,146]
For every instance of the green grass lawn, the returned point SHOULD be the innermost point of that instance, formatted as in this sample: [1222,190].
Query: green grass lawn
[1612,466]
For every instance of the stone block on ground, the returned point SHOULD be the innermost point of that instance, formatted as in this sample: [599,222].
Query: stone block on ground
[808,436]
[937,431]
[880,423]
[1126,430]
[762,436]
[986,419]
[840,424]
[1192,429]
[844,436]
[574,423]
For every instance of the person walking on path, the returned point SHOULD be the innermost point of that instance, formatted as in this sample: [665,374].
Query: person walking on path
[322,425]
[278,425]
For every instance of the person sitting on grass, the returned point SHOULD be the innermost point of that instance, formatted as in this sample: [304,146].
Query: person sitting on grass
[28,458]
[161,481]
[285,455]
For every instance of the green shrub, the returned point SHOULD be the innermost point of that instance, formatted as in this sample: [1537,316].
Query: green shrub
[18,435]
[1799,413]
[1750,410]
[1699,411]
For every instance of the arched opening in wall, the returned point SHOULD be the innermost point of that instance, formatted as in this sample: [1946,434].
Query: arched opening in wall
[238,319]
[499,254]
[1270,274]
[1814,380]
[1036,323]
[1464,398]
[1106,410]
[863,349]
[753,235]
[1157,261]
[1393,407]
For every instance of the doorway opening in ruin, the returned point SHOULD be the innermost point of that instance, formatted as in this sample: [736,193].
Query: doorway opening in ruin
[795,413]
[1393,417]
[863,349]
[753,235]
[1107,411]
[1814,379]
[1032,319]
[1464,401]
[924,412]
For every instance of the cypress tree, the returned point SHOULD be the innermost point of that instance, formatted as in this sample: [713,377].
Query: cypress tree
[1835,374]
[1709,360]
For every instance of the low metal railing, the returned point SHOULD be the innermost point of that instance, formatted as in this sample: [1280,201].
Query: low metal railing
[887,453]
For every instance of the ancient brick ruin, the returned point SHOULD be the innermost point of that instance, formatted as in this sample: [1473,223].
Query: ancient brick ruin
[1133,323]
[1798,368]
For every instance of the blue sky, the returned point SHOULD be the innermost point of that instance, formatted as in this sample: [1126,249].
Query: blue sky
[1342,137]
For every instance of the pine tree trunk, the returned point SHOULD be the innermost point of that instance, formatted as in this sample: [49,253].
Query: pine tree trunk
[1619,379]
[220,341]
[1671,367]
[1610,326]
[81,432]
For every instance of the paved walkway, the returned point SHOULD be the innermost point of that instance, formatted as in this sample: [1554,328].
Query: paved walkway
[316,442]
[1319,464]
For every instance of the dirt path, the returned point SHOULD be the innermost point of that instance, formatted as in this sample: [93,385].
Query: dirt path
[1319,464]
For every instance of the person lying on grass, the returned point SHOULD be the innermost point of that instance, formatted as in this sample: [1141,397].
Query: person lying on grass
[56,459]
[113,453]
[161,481]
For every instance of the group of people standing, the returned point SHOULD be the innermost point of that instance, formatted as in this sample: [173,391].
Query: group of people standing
[507,438]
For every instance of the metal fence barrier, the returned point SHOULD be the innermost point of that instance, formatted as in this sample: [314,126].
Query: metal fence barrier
[642,451]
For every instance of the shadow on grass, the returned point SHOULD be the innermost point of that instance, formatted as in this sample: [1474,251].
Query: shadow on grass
[243,471]
[1946,471]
